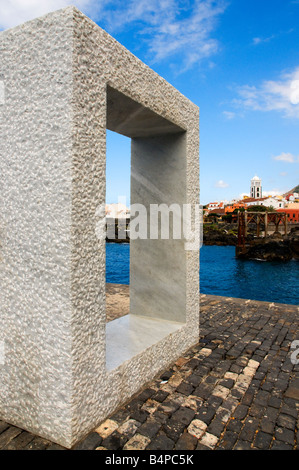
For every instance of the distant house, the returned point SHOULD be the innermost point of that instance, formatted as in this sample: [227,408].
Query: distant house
[252,201]
[274,202]
[117,211]
[215,205]
[232,207]
[292,212]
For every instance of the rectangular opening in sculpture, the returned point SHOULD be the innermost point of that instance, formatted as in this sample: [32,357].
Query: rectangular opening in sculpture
[157,263]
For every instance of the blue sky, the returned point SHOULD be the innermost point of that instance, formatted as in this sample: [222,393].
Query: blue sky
[238,60]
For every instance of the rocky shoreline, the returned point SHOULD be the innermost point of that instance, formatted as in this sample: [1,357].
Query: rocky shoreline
[220,236]
[275,247]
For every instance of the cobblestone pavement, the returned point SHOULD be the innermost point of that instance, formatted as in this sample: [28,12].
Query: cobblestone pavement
[236,389]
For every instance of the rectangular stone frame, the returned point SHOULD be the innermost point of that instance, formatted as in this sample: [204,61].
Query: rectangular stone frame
[58,71]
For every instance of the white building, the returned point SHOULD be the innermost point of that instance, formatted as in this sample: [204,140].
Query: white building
[256,188]
[270,201]
[117,211]
[274,202]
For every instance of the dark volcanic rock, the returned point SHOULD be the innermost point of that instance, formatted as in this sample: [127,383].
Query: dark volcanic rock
[219,236]
[294,242]
[268,250]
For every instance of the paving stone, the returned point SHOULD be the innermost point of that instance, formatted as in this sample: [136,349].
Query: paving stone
[8,435]
[139,415]
[168,407]
[257,410]
[197,428]
[206,414]
[129,427]
[271,413]
[216,427]
[3,426]
[227,383]
[107,428]
[286,421]
[160,396]
[160,417]
[55,447]
[194,380]
[248,397]
[214,402]
[150,406]
[288,410]
[120,415]
[150,427]
[146,394]
[209,440]
[184,415]
[285,435]
[249,429]
[263,440]
[274,402]
[262,398]
[211,380]
[231,375]
[223,414]
[20,442]
[279,445]
[221,392]
[193,402]
[166,375]
[234,425]
[203,391]
[186,442]
[185,388]
[92,441]
[228,440]
[202,447]
[161,443]
[173,428]
[241,412]
[267,426]
[38,443]
[236,389]
[242,445]
[115,441]
[137,442]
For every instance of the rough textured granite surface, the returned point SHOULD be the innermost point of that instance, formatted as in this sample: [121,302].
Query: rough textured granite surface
[57,71]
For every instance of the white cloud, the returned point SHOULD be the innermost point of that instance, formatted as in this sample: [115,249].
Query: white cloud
[229,115]
[273,192]
[281,95]
[257,40]
[221,184]
[170,27]
[15,12]
[167,27]
[286,157]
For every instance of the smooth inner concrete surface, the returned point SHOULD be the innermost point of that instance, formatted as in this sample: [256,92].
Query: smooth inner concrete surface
[129,335]
[128,117]
[158,266]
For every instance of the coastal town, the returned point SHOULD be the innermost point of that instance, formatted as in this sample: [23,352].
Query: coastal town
[287,203]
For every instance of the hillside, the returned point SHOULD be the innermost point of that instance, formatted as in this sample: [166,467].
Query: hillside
[294,190]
